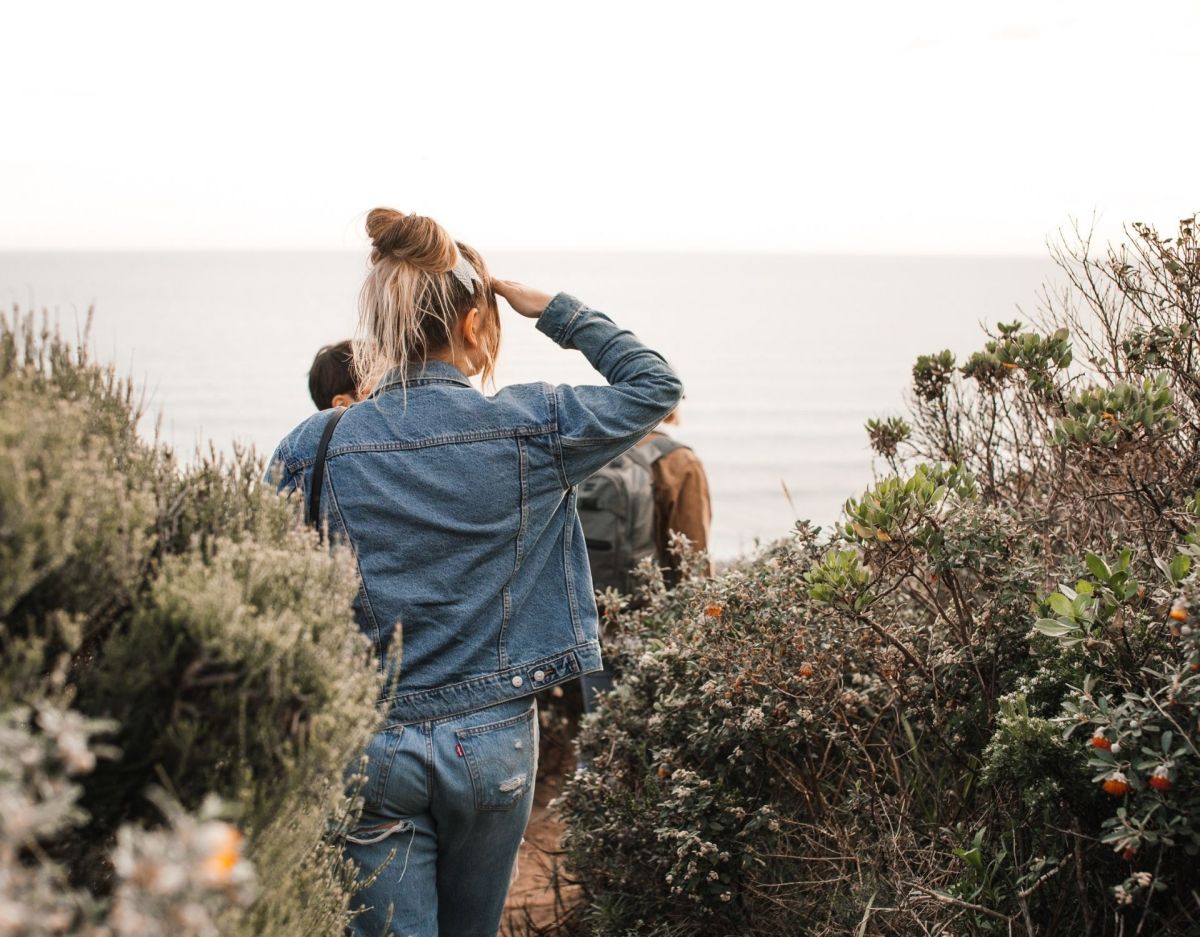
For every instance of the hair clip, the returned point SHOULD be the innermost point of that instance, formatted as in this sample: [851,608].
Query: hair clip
[466,274]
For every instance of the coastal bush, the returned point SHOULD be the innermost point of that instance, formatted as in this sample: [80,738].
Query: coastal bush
[187,878]
[973,705]
[188,617]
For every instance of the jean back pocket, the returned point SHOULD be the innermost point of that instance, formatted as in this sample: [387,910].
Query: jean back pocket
[502,759]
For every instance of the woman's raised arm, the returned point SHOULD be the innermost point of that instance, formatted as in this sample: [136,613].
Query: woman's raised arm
[598,423]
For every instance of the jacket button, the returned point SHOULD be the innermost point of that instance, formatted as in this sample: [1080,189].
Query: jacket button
[517,681]
[539,676]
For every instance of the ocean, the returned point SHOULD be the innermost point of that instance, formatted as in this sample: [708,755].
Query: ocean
[784,357]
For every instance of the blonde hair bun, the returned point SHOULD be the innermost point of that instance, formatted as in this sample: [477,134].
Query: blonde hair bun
[414,294]
[413,239]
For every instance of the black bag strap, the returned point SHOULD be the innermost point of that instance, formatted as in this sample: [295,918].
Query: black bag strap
[318,473]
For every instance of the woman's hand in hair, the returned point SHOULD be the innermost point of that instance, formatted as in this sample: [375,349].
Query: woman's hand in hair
[528,302]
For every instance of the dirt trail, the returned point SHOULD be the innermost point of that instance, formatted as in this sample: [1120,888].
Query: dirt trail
[536,899]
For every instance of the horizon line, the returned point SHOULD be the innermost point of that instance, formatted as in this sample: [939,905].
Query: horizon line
[656,251]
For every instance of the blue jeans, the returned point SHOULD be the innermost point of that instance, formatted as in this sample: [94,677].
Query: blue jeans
[445,807]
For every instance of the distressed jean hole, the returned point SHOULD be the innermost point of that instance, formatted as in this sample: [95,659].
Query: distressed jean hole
[367,835]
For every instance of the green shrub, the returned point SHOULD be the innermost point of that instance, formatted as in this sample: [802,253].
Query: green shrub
[188,877]
[970,707]
[1106,416]
[191,610]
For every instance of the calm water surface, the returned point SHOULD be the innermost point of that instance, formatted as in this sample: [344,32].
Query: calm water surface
[784,357]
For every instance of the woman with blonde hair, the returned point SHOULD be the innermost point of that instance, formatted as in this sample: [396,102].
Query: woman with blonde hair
[460,511]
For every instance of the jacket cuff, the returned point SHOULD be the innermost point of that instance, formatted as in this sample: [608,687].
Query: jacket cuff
[558,319]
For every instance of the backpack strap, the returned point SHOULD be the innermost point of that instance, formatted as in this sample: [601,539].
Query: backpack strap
[660,445]
[638,455]
[318,473]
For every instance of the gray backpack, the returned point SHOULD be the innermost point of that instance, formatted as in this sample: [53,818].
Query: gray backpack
[616,508]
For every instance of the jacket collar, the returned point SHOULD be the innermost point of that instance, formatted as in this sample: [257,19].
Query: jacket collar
[431,372]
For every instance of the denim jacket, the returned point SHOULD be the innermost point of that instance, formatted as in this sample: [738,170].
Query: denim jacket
[460,512]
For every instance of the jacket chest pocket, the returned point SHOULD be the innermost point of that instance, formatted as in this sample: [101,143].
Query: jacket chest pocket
[502,760]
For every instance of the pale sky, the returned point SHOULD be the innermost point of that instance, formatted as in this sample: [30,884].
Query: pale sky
[916,127]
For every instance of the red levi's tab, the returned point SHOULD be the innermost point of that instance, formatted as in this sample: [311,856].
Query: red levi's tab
[458,749]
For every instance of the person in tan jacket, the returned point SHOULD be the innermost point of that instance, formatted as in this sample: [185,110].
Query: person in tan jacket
[681,502]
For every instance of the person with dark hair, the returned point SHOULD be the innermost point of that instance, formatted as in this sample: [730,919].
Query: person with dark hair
[331,377]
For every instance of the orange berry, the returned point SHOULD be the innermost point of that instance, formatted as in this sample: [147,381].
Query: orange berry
[1128,853]
[1160,780]
[218,866]
[1117,786]
[1179,614]
[806,669]
[663,773]
[713,611]
[1099,741]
